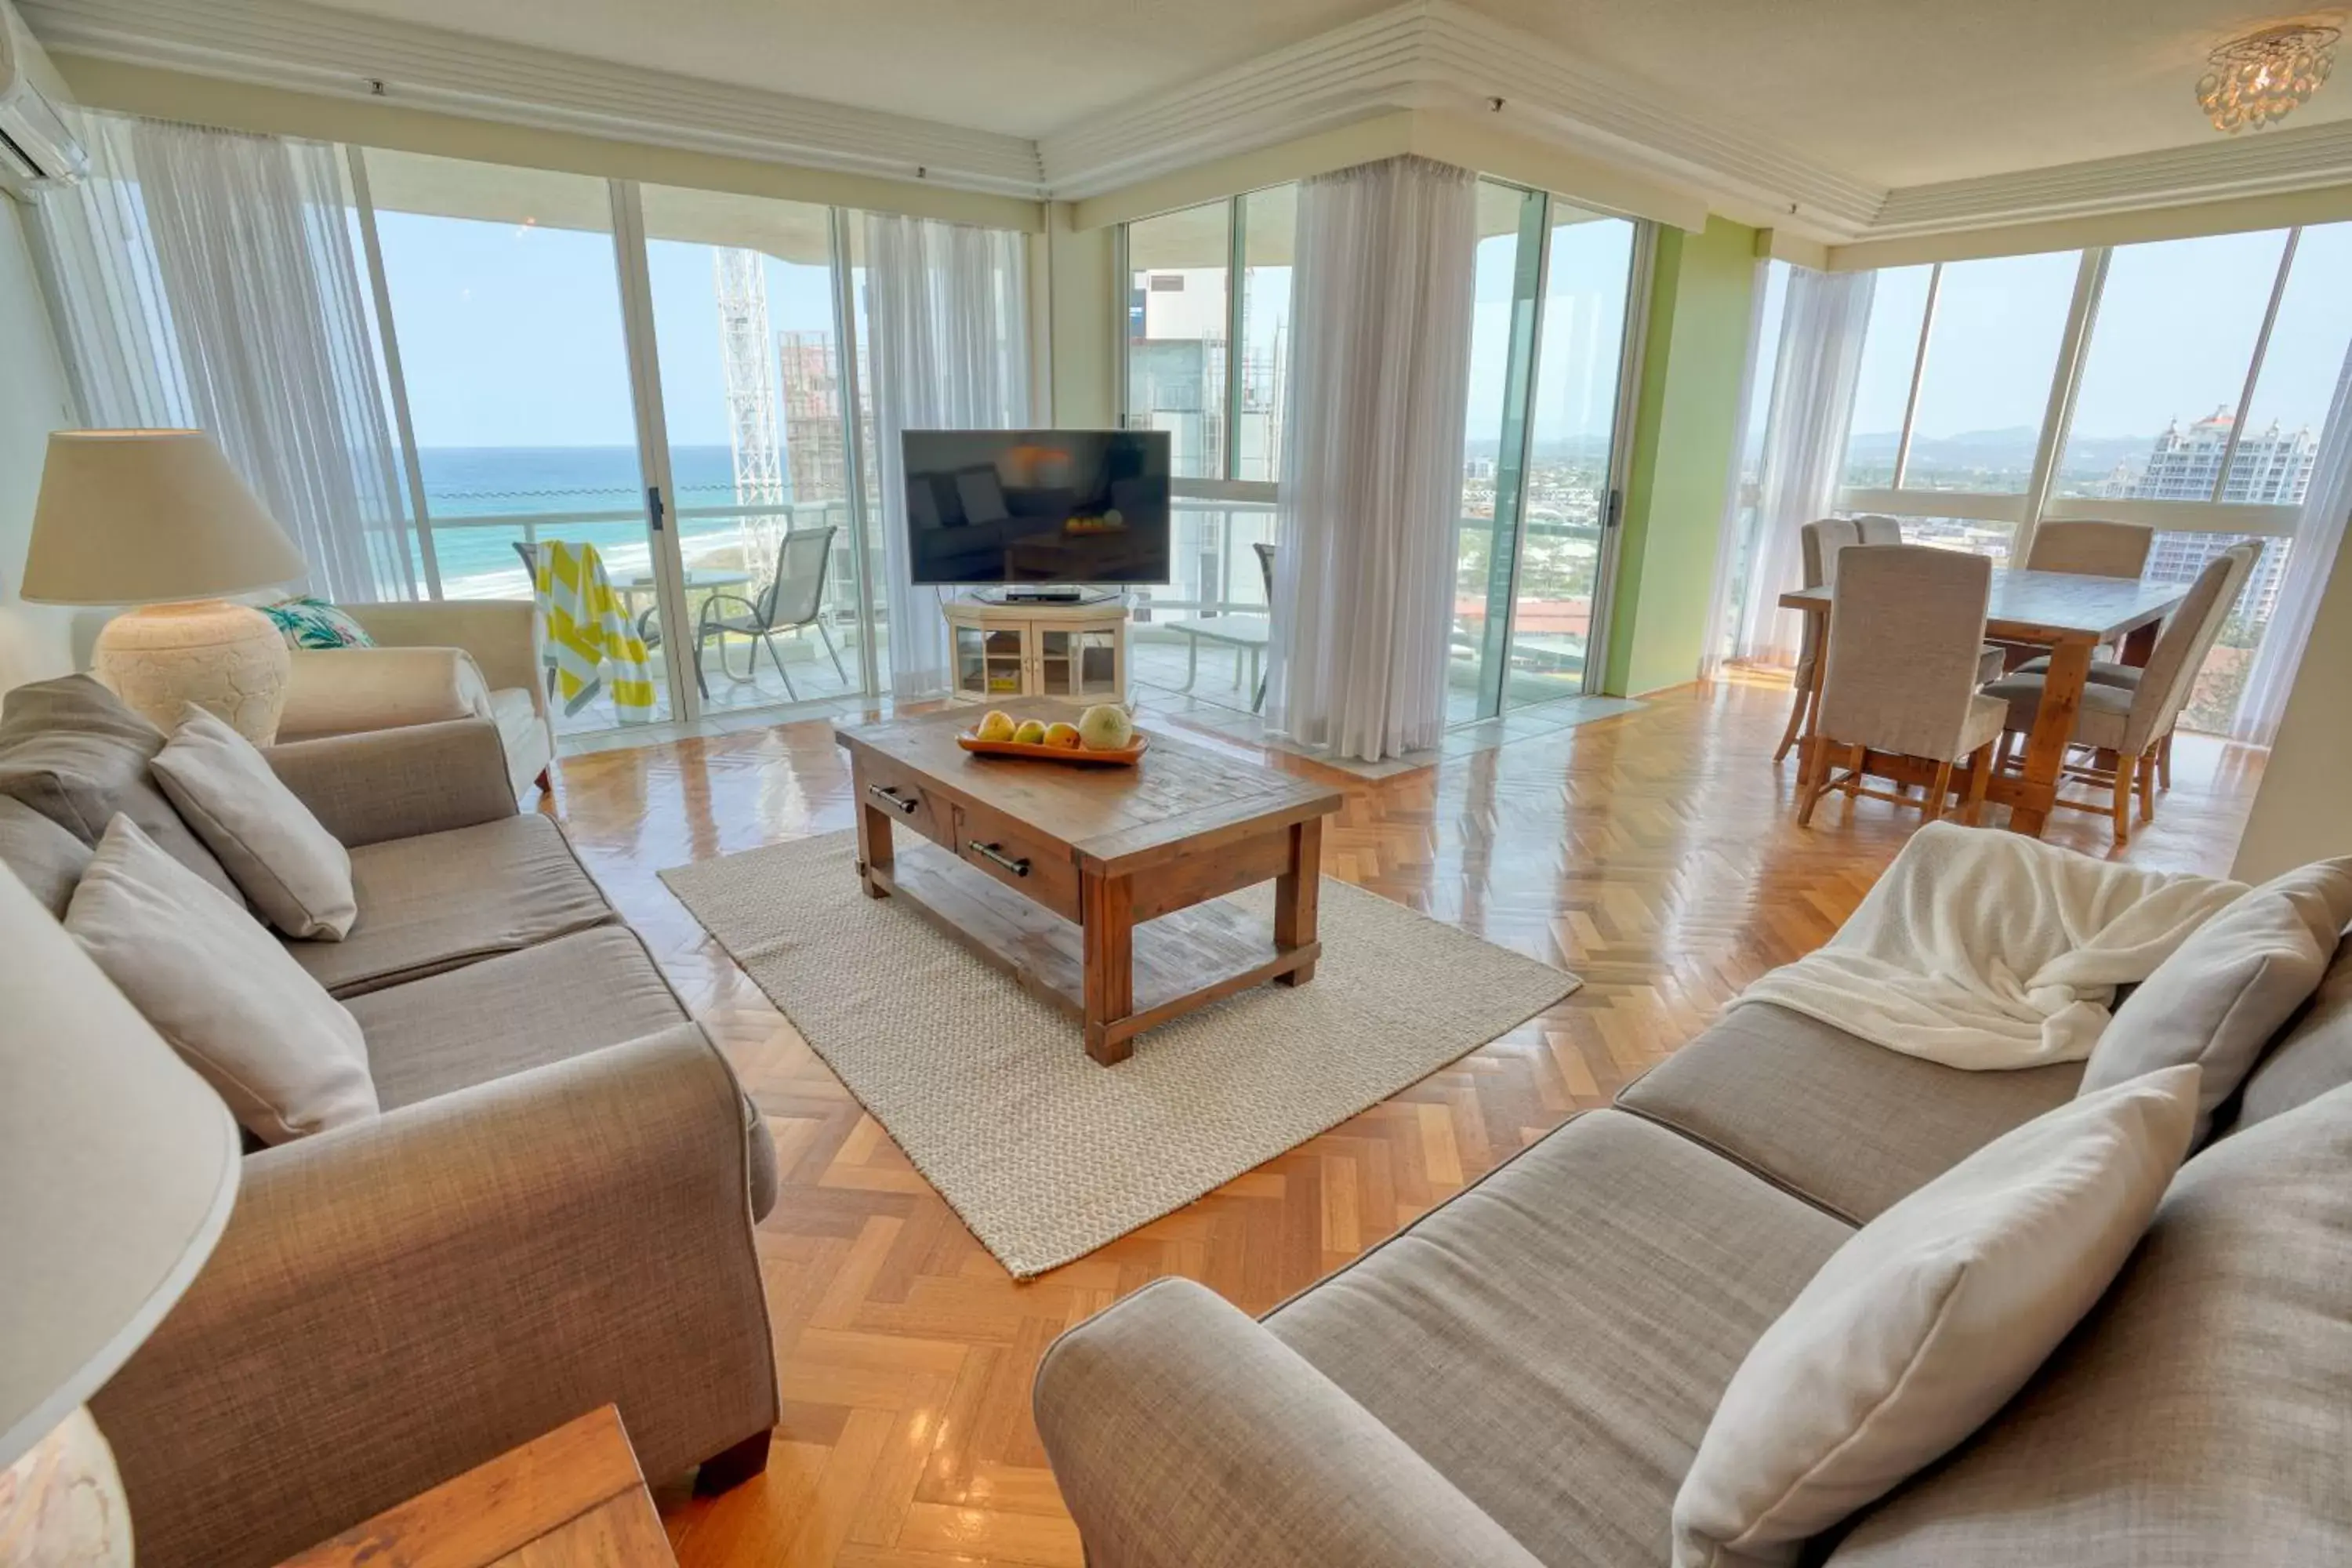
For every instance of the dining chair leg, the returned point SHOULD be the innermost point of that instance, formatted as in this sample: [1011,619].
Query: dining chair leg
[2164,761]
[1813,780]
[1856,759]
[2122,805]
[2148,784]
[1980,779]
[1796,722]
[1938,791]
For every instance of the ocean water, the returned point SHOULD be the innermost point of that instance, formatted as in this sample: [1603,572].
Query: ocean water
[539,487]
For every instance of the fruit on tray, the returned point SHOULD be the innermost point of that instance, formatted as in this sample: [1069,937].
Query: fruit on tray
[1106,727]
[995,724]
[1063,735]
[1032,733]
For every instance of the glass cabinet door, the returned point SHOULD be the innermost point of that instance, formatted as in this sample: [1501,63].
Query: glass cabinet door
[988,661]
[1081,664]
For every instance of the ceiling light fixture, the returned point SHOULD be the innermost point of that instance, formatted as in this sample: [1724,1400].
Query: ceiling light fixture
[2259,80]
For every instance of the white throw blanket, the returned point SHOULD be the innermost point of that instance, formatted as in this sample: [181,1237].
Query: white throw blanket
[1987,950]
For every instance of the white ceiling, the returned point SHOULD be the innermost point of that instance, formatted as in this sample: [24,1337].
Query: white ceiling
[1895,92]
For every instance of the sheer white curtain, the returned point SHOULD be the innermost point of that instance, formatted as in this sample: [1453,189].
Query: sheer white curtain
[2318,541]
[1731,535]
[948,305]
[1371,471]
[1822,328]
[206,279]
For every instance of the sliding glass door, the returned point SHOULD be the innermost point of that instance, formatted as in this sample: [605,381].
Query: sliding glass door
[1542,450]
[507,327]
[752,399]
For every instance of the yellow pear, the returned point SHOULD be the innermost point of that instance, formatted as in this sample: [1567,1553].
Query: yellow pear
[996,724]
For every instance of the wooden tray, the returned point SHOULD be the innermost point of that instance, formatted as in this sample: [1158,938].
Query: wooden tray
[1079,755]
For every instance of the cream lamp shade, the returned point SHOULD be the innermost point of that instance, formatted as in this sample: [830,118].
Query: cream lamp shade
[118,1165]
[158,519]
[149,517]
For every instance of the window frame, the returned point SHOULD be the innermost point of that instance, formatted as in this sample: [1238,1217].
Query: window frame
[2026,511]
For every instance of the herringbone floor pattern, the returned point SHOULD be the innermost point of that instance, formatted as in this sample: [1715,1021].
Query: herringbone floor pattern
[1654,854]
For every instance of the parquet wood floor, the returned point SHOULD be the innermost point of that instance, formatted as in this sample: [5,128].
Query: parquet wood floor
[1655,854]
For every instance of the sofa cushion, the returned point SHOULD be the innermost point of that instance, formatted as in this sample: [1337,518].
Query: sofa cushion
[1847,1124]
[296,874]
[2224,993]
[2198,1415]
[521,1010]
[1554,1340]
[284,1055]
[45,858]
[445,899]
[2312,1055]
[1924,1324]
[512,1012]
[72,751]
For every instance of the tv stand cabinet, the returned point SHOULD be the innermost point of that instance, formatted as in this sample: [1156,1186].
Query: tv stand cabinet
[1077,652]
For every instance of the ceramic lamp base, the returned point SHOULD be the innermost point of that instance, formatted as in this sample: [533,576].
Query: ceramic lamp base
[225,657]
[61,1503]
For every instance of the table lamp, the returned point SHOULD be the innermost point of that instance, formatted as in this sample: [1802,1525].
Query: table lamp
[117,1166]
[158,520]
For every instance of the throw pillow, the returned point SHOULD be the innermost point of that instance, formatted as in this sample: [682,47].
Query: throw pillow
[288,1059]
[2225,992]
[294,872]
[305,622]
[2314,1053]
[1926,1321]
[45,858]
[72,751]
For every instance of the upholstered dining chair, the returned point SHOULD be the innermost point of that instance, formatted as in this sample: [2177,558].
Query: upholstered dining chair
[1874,529]
[2131,724]
[2091,549]
[1817,547]
[2087,548]
[1900,676]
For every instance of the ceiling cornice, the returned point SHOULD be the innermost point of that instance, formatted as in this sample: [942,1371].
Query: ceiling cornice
[1420,55]
[313,49]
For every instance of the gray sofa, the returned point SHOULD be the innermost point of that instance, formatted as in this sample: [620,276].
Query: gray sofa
[1524,1375]
[554,1211]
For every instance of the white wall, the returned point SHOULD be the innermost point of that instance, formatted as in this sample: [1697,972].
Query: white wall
[2303,810]
[35,640]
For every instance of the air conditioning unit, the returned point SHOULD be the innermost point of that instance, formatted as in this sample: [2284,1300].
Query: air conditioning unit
[36,146]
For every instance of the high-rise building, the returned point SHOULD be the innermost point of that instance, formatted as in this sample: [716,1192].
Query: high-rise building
[813,451]
[2270,467]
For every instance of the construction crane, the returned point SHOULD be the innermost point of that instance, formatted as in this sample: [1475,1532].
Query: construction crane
[746,347]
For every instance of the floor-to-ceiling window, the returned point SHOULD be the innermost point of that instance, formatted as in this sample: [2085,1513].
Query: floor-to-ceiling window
[677,377]
[2179,383]
[1206,350]
[1543,428]
[1542,450]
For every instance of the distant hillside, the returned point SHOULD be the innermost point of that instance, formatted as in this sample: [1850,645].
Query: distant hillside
[2009,448]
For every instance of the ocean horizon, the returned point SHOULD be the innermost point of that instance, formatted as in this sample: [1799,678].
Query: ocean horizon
[543,489]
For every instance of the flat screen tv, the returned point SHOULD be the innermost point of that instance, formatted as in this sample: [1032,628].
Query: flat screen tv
[988,508]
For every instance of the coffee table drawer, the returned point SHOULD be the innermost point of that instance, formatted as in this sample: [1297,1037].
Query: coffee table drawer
[897,794]
[1022,860]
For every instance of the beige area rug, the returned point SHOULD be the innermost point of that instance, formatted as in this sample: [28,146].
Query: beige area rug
[991,1093]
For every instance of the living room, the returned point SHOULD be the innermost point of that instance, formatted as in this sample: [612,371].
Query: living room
[1295,784]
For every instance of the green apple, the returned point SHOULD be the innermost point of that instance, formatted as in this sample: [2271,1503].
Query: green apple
[1031,733]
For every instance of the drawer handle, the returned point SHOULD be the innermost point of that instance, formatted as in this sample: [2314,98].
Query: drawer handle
[1019,868]
[889,796]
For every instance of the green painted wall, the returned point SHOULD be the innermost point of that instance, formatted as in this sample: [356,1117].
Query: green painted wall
[1685,418]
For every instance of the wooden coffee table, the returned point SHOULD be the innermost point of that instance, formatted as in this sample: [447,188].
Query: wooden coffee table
[1094,887]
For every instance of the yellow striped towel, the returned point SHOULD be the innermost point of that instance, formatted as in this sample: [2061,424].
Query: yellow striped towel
[589,637]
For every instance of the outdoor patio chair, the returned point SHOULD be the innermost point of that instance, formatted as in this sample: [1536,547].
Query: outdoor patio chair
[794,599]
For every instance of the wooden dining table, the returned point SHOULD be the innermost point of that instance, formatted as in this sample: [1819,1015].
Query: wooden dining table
[2068,614]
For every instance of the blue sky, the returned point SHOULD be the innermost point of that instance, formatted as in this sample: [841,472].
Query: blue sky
[511,335]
